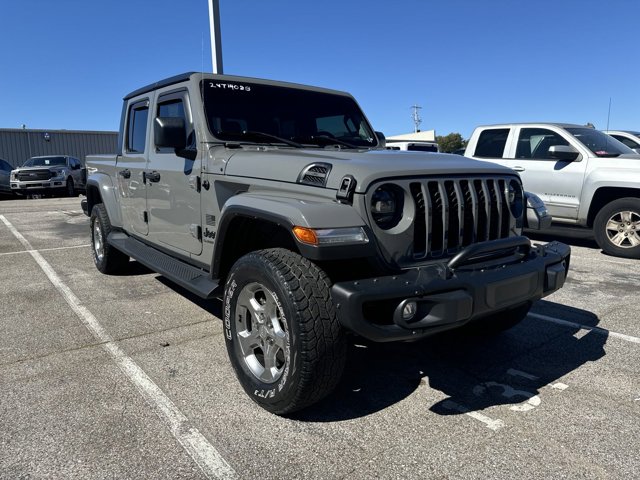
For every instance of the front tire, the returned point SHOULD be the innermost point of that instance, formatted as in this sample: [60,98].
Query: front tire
[617,228]
[108,260]
[281,329]
[71,188]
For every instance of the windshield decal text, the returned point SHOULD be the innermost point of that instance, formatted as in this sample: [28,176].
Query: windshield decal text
[230,86]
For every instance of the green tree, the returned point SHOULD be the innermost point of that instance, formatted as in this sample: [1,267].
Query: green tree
[451,143]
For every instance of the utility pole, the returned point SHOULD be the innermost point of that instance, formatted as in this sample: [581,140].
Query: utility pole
[416,118]
[216,38]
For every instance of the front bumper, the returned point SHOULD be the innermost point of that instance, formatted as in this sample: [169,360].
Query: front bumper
[450,295]
[39,186]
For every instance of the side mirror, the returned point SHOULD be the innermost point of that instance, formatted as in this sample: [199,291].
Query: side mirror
[170,132]
[563,152]
[382,141]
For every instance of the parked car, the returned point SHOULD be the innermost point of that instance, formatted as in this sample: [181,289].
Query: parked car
[629,137]
[281,198]
[585,177]
[412,146]
[49,175]
[5,173]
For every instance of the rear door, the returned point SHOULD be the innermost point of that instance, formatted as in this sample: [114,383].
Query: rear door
[173,197]
[132,164]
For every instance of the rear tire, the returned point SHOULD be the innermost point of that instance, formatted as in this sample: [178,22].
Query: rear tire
[108,260]
[617,228]
[281,329]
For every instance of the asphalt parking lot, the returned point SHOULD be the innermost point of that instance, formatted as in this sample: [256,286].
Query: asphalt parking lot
[127,377]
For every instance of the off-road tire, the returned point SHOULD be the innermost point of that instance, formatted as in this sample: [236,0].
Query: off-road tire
[315,344]
[108,260]
[71,188]
[498,322]
[613,211]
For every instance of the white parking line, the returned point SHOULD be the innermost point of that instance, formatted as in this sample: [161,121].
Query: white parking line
[493,424]
[44,250]
[598,330]
[196,445]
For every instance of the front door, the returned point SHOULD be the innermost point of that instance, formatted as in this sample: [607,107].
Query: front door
[173,184]
[557,182]
[130,169]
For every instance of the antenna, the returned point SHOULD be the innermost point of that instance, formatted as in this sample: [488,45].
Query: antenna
[416,117]
[609,114]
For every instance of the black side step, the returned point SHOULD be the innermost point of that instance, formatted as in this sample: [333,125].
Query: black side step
[192,278]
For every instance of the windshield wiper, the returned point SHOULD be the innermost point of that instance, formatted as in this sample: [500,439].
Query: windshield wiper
[330,141]
[247,134]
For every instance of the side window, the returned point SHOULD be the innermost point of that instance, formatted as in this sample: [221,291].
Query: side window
[75,164]
[535,143]
[492,142]
[627,141]
[173,106]
[137,127]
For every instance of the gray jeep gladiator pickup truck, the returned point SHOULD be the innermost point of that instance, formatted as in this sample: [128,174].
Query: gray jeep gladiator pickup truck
[282,199]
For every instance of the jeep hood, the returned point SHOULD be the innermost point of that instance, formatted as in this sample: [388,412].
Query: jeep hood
[366,166]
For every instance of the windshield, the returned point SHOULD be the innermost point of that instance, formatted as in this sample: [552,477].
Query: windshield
[599,143]
[269,114]
[46,162]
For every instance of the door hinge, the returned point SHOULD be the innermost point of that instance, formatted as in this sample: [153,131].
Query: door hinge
[196,231]
[145,217]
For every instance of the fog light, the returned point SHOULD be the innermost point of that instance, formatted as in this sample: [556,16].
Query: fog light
[409,310]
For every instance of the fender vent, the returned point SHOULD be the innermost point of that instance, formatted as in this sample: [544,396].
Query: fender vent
[315,174]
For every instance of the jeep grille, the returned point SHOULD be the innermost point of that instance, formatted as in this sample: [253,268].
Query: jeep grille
[448,215]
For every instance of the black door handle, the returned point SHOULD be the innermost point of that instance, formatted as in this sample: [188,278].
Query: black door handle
[152,176]
[126,173]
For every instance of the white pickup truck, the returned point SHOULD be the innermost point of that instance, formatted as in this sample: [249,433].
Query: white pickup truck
[585,177]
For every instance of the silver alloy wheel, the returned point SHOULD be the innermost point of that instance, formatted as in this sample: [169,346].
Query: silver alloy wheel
[261,332]
[623,229]
[98,246]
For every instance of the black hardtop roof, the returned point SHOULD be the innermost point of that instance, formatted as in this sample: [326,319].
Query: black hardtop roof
[183,77]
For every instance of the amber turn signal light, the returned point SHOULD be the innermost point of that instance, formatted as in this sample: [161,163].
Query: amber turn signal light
[306,235]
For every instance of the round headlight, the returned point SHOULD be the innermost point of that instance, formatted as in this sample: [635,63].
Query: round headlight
[515,198]
[387,204]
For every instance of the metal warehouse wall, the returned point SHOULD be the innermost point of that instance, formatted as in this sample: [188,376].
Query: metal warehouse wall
[17,145]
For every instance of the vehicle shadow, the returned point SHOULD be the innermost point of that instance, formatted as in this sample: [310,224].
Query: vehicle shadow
[471,372]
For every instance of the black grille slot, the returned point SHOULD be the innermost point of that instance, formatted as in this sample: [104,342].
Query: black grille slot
[453,231]
[420,225]
[436,234]
[506,212]
[483,211]
[468,225]
[495,211]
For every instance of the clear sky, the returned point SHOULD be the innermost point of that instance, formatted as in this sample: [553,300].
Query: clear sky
[68,63]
